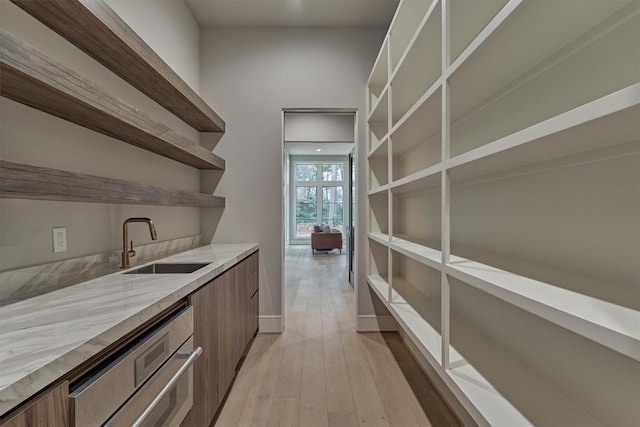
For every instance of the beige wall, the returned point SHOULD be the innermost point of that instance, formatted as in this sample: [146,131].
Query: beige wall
[252,74]
[168,27]
[318,127]
[33,137]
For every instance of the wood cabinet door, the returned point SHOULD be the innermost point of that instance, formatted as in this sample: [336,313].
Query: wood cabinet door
[205,369]
[254,272]
[246,302]
[50,409]
[226,330]
[225,319]
[254,306]
[254,287]
[241,300]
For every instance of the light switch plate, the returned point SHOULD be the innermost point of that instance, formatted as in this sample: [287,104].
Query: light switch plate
[59,239]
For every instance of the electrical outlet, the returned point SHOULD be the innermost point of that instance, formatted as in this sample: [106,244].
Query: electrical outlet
[59,239]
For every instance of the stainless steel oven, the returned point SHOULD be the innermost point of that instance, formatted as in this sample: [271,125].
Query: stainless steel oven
[147,383]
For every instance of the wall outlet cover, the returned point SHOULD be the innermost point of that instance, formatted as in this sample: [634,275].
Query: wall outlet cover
[59,239]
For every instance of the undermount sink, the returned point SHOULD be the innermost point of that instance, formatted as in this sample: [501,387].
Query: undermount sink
[168,268]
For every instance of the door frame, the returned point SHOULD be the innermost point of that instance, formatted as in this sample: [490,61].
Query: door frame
[285,188]
[351,200]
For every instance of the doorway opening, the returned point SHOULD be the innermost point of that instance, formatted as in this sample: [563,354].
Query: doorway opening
[318,169]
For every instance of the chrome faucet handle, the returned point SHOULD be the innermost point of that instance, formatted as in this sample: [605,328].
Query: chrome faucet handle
[131,251]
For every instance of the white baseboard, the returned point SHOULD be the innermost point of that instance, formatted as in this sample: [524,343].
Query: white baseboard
[373,323]
[270,325]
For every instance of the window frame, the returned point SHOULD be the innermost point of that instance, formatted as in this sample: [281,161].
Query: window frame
[319,184]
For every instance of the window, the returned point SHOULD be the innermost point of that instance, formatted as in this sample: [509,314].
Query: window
[306,210]
[318,190]
[332,207]
[306,172]
[332,171]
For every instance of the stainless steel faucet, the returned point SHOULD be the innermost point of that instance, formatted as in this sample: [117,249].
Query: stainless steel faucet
[127,253]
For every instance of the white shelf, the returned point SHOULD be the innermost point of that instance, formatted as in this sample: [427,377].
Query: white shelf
[522,155]
[379,150]
[380,73]
[486,32]
[378,161]
[417,211]
[379,212]
[609,324]
[380,111]
[421,65]
[420,311]
[517,396]
[381,238]
[378,174]
[378,132]
[414,324]
[505,38]
[576,52]
[416,141]
[607,121]
[374,96]
[378,261]
[380,285]
[407,18]
[378,190]
[421,253]
[468,19]
[429,102]
[426,179]
[421,331]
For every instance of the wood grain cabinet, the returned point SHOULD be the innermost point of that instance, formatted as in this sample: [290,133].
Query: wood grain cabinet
[226,319]
[253,283]
[205,378]
[227,330]
[246,300]
[50,409]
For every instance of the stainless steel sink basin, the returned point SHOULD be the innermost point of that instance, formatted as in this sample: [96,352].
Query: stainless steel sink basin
[168,268]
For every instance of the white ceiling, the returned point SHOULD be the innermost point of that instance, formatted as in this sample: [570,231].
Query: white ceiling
[293,13]
[309,148]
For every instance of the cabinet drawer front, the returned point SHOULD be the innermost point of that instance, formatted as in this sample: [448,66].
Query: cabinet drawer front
[128,371]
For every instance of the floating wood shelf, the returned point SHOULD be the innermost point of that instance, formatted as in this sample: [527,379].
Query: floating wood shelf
[30,77]
[95,28]
[20,181]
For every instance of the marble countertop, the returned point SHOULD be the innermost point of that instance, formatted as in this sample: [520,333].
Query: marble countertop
[45,337]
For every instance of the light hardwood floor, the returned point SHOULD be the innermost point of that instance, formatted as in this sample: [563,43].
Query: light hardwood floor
[320,371]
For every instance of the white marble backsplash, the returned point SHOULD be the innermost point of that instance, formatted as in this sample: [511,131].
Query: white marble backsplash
[23,283]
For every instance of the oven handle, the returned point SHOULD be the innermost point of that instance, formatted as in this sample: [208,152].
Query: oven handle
[192,356]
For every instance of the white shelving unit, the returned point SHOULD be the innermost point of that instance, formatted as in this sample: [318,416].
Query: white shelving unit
[417,137]
[504,202]
[419,67]
[379,166]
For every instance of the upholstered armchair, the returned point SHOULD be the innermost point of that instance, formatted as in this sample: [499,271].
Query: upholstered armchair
[325,240]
